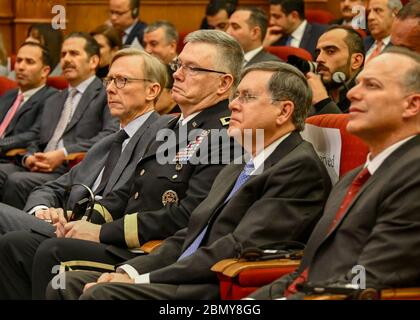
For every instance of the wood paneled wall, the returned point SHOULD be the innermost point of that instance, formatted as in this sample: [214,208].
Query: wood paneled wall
[17,15]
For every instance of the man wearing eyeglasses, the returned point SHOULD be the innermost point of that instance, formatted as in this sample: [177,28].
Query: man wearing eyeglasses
[277,195]
[123,16]
[171,178]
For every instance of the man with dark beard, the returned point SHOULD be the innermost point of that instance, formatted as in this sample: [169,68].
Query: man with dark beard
[339,58]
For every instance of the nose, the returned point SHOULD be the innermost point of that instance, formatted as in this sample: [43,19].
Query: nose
[234,104]
[178,74]
[354,93]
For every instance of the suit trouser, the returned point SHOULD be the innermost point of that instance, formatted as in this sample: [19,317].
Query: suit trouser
[16,183]
[76,280]
[30,260]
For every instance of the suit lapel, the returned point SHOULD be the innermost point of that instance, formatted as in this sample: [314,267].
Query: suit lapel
[129,150]
[306,36]
[52,116]
[90,93]
[7,104]
[26,107]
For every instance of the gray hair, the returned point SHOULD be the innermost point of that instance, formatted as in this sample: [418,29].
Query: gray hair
[395,5]
[171,34]
[411,80]
[229,56]
[154,70]
[287,83]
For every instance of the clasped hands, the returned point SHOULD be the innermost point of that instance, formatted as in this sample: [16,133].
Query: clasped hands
[45,161]
[80,229]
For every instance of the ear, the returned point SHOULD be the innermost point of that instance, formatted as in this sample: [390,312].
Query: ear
[285,113]
[413,106]
[45,71]
[357,60]
[256,33]
[226,83]
[94,61]
[173,45]
[152,91]
[295,15]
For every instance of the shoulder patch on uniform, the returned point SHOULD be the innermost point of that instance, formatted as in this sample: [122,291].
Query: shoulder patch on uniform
[225,121]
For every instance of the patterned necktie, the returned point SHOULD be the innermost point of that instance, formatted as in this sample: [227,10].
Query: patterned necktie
[112,159]
[63,122]
[10,114]
[379,45]
[352,191]
[242,178]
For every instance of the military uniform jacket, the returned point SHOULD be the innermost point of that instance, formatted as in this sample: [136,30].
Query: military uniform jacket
[281,203]
[162,196]
[24,126]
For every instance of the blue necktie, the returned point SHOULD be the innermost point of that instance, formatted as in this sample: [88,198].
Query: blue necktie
[243,177]
[289,41]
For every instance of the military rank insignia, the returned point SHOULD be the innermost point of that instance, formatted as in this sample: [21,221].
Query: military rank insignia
[185,154]
[169,197]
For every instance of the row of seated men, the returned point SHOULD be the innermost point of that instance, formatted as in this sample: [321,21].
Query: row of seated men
[201,86]
[49,136]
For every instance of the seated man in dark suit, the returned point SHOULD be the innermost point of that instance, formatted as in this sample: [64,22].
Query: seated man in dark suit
[381,15]
[72,121]
[277,195]
[165,187]
[124,17]
[372,218]
[288,26]
[20,109]
[248,25]
[340,57]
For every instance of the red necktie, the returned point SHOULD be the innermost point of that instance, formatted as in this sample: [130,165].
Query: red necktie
[10,114]
[379,44]
[354,188]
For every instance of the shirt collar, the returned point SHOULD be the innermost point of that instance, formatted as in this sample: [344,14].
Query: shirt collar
[132,127]
[29,93]
[251,54]
[298,33]
[82,86]
[128,30]
[183,121]
[260,158]
[375,163]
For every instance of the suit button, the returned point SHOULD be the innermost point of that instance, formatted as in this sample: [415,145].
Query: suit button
[136,196]
[142,172]
[174,176]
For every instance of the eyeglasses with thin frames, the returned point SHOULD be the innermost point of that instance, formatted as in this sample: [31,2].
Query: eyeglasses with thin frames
[120,82]
[176,65]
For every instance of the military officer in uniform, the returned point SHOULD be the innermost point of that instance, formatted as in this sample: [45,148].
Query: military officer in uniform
[171,179]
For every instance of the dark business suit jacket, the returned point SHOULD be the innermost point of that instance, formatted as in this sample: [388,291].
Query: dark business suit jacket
[262,56]
[281,203]
[90,122]
[310,37]
[52,194]
[378,231]
[23,128]
[136,33]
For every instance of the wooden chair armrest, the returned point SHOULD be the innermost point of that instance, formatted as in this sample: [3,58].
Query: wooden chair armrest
[400,294]
[15,152]
[151,245]
[232,267]
[75,155]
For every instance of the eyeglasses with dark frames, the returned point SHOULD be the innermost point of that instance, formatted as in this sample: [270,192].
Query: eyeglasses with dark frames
[176,65]
[120,82]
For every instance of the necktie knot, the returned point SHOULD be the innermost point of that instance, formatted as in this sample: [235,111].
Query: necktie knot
[121,136]
[249,167]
